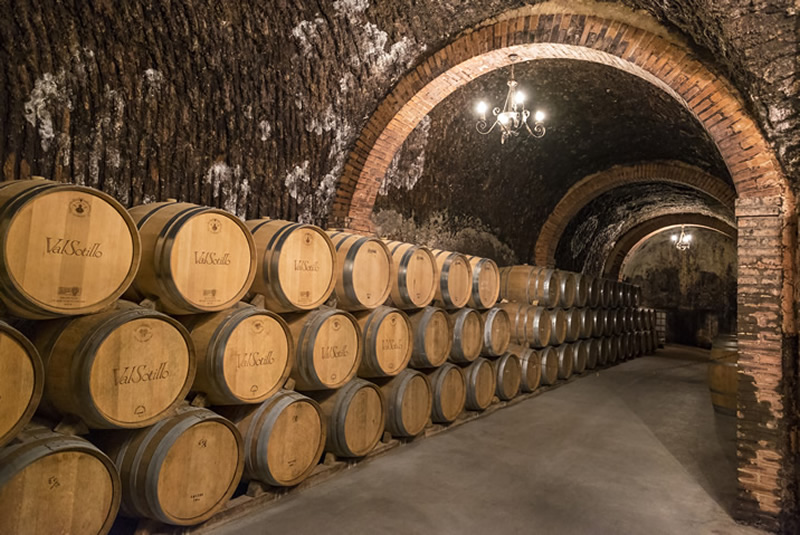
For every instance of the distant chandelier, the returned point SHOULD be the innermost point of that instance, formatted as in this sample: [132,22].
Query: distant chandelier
[683,240]
[513,116]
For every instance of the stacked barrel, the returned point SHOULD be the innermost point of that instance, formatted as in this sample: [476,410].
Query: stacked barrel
[171,350]
[574,322]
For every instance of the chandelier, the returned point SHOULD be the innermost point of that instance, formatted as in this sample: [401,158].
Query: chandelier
[513,116]
[683,240]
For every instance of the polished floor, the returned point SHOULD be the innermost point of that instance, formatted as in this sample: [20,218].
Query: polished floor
[634,449]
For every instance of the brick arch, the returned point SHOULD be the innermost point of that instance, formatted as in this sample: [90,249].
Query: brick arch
[632,240]
[765,206]
[594,185]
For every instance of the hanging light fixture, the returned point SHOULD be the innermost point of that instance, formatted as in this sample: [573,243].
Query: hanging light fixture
[513,116]
[682,241]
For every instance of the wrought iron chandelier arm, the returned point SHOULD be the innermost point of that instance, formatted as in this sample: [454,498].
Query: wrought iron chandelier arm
[483,128]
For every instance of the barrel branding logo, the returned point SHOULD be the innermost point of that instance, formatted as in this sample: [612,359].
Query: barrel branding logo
[392,344]
[259,326]
[69,291]
[334,352]
[306,265]
[80,207]
[308,238]
[214,225]
[67,247]
[143,333]
[143,373]
[212,258]
[336,324]
[252,359]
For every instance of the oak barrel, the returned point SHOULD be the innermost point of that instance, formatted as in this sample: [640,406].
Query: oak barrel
[180,471]
[415,275]
[485,283]
[530,361]
[363,271]
[66,249]
[594,349]
[408,399]
[194,258]
[595,286]
[530,325]
[481,383]
[496,332]
[566,289]
[606,351]
[606,293]
[327,348]
[580,356]
[566,360]
[586,322]
[53,484]
[296,267]
[449,393]
[558,326]
[433,337]
[550,366]
[355,417]
[723,377]
[622,350]
[574,320]
[124,368]
[387,339]
[598,320]
[21,381]
[244,354]
[453,279]
[467,335]
[518,284]
[548,287]
[508,375]
[582,287]
[283,437]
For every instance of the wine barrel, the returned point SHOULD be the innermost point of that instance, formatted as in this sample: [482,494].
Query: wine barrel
[629,320]
[530,325]
[415,281]
[297,265]
[606,293]
[587,324]
[53,484]
[723,381]
[610,321]
[595,291]
[180,471]
[433,337]
[244,354]
[327,348]
[449,393]
[580,356]
[508,375]
[518,284]
[558,326]
[66,249]
[605,351]
[453,279]
[530,362]
[582,287]
[566,289]
[573,319]
[638,319]
[467,335]
[619,323]
[387,337]
[622,349]
[566,360]
[637,296]
[21,381]
[363,271]
[409,400]
[496,332]
[549,358]
[124,368]
[355,417]
[630,342]
[481,383]
[613,349]
[618,297]
[598,319]
[283,437]
[194,258]
[594,349]
[725,348]
[485,283]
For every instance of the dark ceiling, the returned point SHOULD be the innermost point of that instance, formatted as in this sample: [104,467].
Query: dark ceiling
[597,117]
[592,233]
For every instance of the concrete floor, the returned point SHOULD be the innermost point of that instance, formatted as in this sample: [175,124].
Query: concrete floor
[633,449]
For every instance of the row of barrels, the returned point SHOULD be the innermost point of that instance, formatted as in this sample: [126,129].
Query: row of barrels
[535,285]
[72,250]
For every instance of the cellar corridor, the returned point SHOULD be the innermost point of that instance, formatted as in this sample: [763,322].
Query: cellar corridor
[631,449]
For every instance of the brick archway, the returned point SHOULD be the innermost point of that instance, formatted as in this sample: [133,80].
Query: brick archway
[596,184]
[629,242]
[765,207]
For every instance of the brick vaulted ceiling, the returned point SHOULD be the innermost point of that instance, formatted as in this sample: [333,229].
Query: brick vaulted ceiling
[597,117]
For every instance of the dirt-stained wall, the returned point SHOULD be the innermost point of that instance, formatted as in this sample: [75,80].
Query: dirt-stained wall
[696,287]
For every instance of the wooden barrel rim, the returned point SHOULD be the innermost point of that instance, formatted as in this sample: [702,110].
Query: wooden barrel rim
[350,259]
[491,315]
[458,328]
[441,374]
[344,397]
[399,392]
[38,381]
[502,363]
[444,277]
[476,282]
[22,300]
[375,319]
[504,283]
[471,373]
[402,271]
[309,341]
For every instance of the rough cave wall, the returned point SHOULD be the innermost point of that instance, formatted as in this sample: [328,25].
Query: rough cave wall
[253,106]
[696,287]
